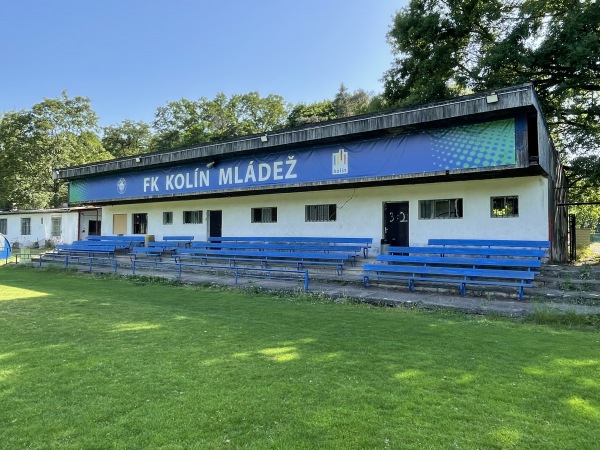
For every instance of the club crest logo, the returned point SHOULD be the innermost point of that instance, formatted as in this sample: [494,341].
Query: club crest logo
[121,185]
[339,162]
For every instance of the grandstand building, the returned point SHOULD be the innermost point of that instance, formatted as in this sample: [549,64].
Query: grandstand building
[481,166]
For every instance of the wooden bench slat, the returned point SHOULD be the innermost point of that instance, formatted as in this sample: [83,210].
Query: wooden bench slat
[284,247]
[491,243]
[265,257]
[364,243]
[460,275]
[530,263]
[178,238]
[484,252]
[146,252]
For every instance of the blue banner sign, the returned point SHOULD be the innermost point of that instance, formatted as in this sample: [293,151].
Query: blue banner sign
[483,145]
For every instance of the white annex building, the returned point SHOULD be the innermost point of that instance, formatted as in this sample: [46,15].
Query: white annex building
[49,227]
[481,166]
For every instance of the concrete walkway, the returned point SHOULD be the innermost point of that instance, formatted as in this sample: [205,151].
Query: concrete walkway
[501,301]
[548,295]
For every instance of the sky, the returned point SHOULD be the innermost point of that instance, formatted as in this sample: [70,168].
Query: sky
[132,56]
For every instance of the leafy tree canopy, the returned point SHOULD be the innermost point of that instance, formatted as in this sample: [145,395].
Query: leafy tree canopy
[344,104]
[54,133]
[303,113]
[187,122]
[447,47]
[128,138]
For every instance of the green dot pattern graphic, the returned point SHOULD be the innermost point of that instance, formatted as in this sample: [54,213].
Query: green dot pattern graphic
[78,191]
[474,146]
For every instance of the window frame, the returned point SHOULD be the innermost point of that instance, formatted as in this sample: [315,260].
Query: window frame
[326,212]
[514,208]
[193,217]
[167,217]
[94,227]
[4,226]
[56,230]
[428,209]
[25,229]
[266,214]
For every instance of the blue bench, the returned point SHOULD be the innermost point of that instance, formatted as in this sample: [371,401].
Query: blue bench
[364,243]
[87,243]
[84,250]
[164,245]
[473,262]
[351,251]
[472,251]
[132,238]
[451,275]
[262,257]
[179,241]
[100,255]
[121,242]
[238,272]
[489,243]
[68,259]
[153,253]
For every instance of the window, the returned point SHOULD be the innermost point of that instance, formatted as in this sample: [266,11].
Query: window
[25,226]
[168,218]
[4,226]
[321,213]
[505,206]
[56,226]
[140,223]
[192,217]
[95,227]
[441,209]
[264,215]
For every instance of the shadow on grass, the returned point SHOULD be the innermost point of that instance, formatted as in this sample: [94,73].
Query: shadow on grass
[107,361]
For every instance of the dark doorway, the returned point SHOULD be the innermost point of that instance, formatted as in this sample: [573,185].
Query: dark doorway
[395,223]
[94,227]
[215,223]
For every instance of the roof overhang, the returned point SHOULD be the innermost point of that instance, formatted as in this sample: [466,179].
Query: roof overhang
[476,107]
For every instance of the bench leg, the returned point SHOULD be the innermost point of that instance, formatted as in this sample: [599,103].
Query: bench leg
[462,288]
[366,280]
[520,292]
[411,284]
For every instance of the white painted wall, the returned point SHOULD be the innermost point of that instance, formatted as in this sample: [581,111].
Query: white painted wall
[360,212]
[41,228]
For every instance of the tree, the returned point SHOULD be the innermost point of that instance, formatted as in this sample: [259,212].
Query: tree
[186,122]
[584,188]
[54,133]
[128,138]
[303,113]
[346,104]
[445,48]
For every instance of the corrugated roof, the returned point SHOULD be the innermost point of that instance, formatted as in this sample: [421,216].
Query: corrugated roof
[463,109]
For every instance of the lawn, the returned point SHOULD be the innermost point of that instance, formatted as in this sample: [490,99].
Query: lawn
[106,362]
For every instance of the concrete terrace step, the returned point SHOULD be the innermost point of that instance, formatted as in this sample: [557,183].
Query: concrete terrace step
[565,283]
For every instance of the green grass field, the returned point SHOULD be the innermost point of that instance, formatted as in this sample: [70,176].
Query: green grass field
[104,362]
